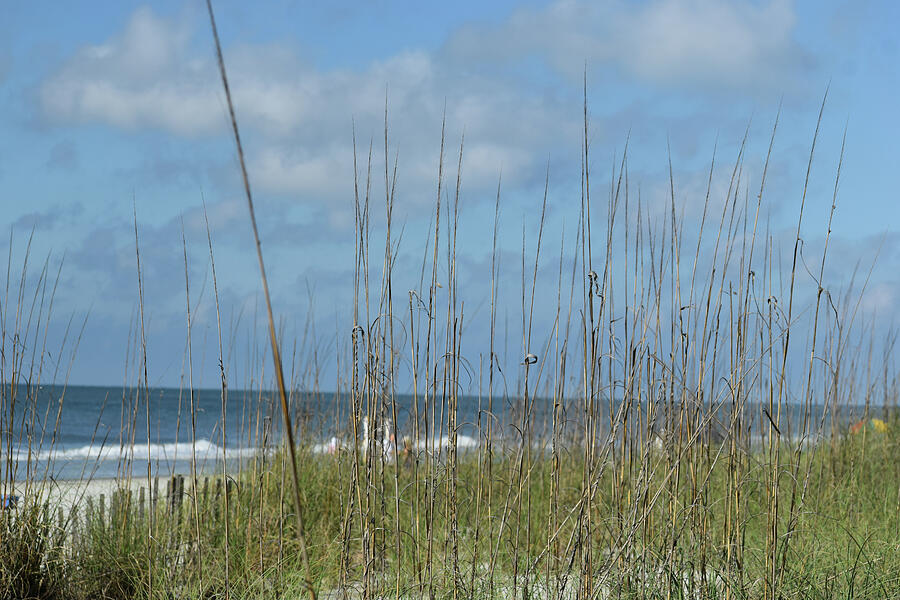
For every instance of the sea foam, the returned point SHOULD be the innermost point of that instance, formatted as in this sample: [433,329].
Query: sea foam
[203,450]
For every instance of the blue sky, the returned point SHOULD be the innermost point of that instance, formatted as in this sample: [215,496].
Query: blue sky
[119,108]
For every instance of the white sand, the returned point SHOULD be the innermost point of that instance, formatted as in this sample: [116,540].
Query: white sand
[67,494]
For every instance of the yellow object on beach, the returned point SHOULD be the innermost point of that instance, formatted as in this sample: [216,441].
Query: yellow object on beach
[879,425]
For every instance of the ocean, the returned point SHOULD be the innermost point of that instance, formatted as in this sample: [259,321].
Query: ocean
[73,432]
[76,432]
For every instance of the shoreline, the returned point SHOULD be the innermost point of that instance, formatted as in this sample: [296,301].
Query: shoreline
[69,492]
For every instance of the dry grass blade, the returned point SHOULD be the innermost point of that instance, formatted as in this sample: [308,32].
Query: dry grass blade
[276,354]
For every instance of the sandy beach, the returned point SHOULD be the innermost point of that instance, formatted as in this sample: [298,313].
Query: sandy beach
[67,494]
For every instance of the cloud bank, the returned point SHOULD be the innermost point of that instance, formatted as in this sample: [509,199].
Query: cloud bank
[151,75]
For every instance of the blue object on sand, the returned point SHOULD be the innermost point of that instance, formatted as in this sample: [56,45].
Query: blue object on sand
[9,501]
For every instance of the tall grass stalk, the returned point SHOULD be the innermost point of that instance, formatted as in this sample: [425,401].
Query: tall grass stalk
[276,354]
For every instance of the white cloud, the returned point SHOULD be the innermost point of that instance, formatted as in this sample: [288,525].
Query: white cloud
[148,76]
[298,118]
[733,43]
[140,78]
[719,43]
[178,109]
[278,170]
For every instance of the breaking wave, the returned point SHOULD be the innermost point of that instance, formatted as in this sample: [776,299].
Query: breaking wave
[168,452]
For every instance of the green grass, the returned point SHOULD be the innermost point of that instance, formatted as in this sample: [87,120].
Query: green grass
[845,543]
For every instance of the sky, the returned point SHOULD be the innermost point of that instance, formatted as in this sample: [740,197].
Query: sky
[116,114]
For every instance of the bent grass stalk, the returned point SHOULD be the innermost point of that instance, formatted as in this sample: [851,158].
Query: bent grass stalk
[276,355]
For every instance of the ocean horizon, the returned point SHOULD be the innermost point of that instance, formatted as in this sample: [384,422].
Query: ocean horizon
[77,431]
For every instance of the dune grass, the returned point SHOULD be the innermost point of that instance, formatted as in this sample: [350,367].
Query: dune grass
[845,543]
